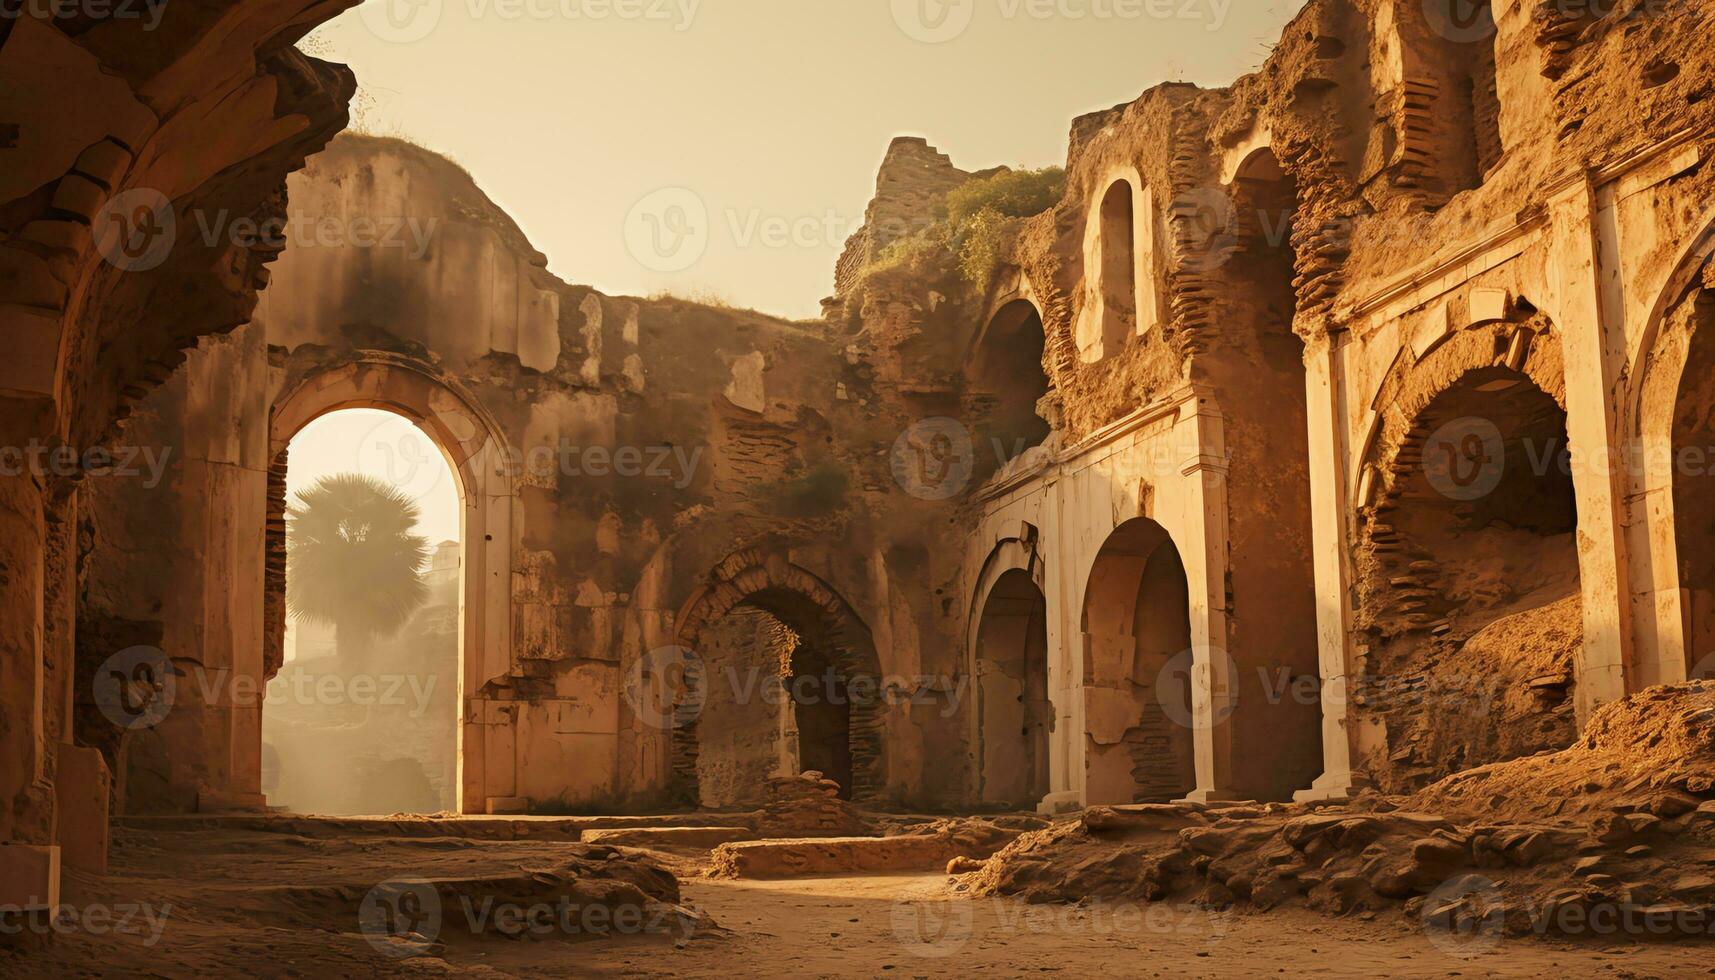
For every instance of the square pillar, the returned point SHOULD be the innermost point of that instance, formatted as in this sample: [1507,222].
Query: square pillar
[1330,531]
[1584,269]
[29,877]
[1200,431]
[82,789]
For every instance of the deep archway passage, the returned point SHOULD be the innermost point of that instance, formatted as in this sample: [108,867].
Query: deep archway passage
[805,638]
[456,429]
[1007,384]
[1137,670]
[362,717]
[1016,715]
[1488,501]
[1694,484]
[1472,585]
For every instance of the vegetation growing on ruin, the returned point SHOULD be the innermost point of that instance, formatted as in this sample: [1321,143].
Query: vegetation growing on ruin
[970,236]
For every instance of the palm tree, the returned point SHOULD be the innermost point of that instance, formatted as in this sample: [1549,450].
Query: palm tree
[353,561]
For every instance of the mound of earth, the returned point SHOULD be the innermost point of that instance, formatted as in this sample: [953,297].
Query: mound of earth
[1619,829]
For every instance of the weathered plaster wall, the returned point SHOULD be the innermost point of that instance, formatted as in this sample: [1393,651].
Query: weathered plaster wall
[1387,206]
[107,119]
[614,451]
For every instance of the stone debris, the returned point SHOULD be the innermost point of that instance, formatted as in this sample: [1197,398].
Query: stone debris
[1632,831]
[809,805]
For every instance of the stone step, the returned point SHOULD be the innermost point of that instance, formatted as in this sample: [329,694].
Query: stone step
[701,838]
[810,857]
[470,828]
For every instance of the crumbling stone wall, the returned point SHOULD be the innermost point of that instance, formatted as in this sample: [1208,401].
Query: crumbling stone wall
[717,431]
[1390,209]
[104,119]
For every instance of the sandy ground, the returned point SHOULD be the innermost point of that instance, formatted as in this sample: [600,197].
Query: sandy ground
[839,927]
[222,902]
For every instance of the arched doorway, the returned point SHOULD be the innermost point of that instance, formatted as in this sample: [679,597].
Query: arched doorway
[1694,480]
[1673,468]
[362,717]
[763,624]
[456,427]
[1016,716]
[1139,731]
[1470,576]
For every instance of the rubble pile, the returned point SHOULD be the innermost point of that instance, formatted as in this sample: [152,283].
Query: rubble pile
[809,805]
[1618,829]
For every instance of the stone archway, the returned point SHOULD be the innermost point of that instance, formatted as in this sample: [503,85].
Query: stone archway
[1007,384]
[1669,423]
[1138,650]
[1467,571]
[829,640]
[478,457]
[1015,715]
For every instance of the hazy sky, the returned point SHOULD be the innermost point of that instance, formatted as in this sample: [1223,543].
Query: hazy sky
[576,115]
[387,447]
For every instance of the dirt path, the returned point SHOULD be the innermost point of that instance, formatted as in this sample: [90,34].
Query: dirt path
[859,927]
[221,903]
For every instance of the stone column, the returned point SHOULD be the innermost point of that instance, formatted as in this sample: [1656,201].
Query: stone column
[1584,269]
[1330,530]
[29,859]
[1200,431]
[1065,660]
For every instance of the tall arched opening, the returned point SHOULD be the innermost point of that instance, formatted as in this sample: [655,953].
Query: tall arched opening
[1470,578]
[1139,729]
[453,426]
[1015,715]
[1006,384]
[1693,466]
[1119,272]
[363,716]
